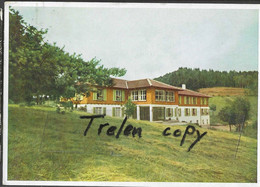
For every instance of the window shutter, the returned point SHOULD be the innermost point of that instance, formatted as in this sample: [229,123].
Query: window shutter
[113,111]
[185,99]
[94,96]
[114,95]
[104,94]
[123,95]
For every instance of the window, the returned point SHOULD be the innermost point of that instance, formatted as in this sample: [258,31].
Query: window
[170,96]
[134,95]
[159,95]
[169,112]
[203,101]
[179,112]
[187,100]
[202,111]
[187,112]
[142,95]
[194,100]
[97,110]
[138,95]
[116,111]
[100,95]
[118,95]
[194,112]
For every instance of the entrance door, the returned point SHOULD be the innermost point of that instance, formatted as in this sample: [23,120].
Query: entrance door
[158,113]
[145,113]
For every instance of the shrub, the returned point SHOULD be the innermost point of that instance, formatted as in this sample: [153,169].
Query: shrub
[58,109]
[82,109]
[30,103]
[22,105]
[10,101]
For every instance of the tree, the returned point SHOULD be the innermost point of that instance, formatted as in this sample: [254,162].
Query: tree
[213,107]
[38,68]
[236,113]
[129,108]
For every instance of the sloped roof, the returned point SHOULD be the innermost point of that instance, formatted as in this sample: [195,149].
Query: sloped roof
[192,93]
[120,83]
[144,83]
[141,83]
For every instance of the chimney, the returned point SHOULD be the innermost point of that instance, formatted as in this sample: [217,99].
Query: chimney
[183,86]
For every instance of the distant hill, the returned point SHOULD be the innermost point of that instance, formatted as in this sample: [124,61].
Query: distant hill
[196,79]
[224,91]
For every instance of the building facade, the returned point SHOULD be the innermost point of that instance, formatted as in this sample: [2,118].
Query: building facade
[155,101]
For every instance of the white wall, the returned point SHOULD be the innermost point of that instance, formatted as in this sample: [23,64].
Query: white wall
[90,107]
[201,120]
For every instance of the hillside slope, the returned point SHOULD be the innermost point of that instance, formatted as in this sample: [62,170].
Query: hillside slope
[44,145]
[224,91]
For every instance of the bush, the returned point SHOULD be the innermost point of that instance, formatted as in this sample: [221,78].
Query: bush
[67,105]
[30,103]
[60,110]
[10,101]
[84,109]
[22,105]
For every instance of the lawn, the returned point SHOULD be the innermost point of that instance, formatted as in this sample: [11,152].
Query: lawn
[44,145]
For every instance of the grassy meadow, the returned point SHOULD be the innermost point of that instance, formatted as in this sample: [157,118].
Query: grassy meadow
[224,91]
[45,145]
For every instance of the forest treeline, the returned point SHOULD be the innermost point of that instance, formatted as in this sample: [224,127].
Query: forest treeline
[196,78]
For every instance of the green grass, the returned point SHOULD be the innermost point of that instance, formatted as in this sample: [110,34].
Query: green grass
[61,152]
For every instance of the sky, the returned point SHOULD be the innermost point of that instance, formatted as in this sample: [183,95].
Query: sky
[150,42]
